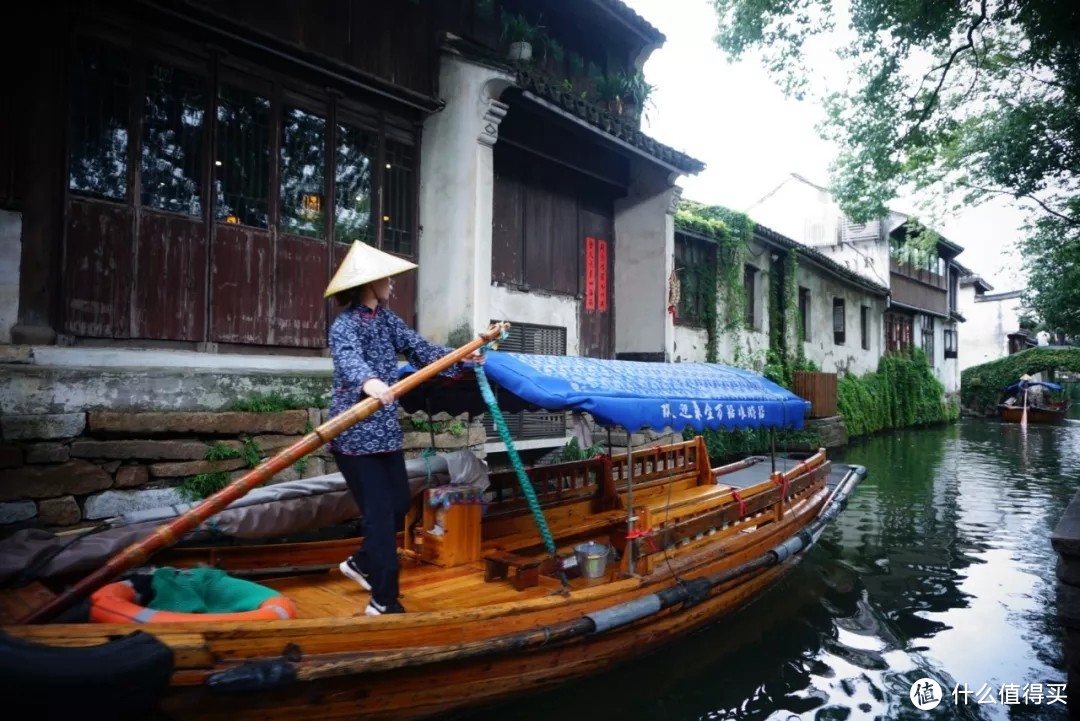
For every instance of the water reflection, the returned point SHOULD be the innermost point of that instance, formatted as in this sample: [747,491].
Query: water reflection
[940,567]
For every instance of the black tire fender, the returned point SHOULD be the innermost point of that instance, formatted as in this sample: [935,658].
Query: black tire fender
[121,679]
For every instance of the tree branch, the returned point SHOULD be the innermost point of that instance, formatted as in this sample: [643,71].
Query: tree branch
[1042,204]
[931,102]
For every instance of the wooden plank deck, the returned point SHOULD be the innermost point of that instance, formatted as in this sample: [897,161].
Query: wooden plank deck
[424,587]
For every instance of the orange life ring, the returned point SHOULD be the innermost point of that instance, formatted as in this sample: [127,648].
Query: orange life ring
[115,603]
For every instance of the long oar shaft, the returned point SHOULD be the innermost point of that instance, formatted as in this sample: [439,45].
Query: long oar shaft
[168,534]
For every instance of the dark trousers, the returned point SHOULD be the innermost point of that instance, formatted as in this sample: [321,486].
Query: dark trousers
[380,485]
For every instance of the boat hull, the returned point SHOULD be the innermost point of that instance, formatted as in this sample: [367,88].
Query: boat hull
[489,641]
[1011,414]
[431,691]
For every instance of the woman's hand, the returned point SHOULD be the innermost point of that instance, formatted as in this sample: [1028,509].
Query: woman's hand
[477,358]
[378,390]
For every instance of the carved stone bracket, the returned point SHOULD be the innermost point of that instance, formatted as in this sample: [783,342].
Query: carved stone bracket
[489,125]
[673,199]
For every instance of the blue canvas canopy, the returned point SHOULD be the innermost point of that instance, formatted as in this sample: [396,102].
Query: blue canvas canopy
[630,394]
[1028,384]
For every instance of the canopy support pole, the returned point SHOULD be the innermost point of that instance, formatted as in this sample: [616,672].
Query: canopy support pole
[630,500]
[772,444]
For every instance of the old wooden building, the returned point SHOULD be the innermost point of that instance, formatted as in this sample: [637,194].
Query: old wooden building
[187,174]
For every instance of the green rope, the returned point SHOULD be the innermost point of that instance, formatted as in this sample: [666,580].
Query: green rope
[519,468]
[427,454]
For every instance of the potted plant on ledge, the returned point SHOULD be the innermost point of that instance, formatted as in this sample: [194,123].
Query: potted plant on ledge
[636,94]
[521,34]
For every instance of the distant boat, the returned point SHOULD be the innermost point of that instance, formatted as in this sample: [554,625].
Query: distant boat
[1041,409]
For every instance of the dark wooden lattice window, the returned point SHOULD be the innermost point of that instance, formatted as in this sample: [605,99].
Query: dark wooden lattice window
[864,325]
[538,340]
[695,266]
[749,288]
[303,173]
[100,120]
[839,322]
[173,137]
[354,185]
[804,312]
[398,205]
[951,343]
[898,332]
[242,164]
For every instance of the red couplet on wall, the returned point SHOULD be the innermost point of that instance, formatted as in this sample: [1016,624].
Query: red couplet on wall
[601,275]
[590,273]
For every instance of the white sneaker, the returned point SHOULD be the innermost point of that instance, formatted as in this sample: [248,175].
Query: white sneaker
[374,608]
[348,569]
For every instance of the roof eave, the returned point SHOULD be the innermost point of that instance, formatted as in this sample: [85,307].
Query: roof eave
[692,167]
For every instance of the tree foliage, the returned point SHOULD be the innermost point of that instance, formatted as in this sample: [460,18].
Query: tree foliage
[969,99]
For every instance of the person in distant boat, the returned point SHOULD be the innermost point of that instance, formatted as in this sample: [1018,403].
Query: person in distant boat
[364,340]
[1038,397]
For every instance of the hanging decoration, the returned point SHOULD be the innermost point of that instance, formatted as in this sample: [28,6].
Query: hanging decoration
[673,292]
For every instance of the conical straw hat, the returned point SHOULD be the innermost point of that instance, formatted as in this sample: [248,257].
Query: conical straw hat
[364,264]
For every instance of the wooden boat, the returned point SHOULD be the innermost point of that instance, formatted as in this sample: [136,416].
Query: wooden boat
[1052,410]
[1056,413]
[493,614]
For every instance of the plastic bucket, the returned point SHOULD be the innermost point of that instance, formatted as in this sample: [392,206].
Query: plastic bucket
[591,559]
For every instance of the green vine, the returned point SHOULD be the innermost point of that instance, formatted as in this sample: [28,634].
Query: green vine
[902,392]
[277,402]
[732,232]
[981,386]
[453,426]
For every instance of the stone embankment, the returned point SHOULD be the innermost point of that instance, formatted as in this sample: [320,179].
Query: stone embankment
[1066,542]
[60,470]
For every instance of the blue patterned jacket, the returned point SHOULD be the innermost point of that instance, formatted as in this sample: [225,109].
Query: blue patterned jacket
[364,344]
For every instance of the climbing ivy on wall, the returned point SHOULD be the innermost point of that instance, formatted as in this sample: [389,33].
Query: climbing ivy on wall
[981,385]
[723,310]
[732,232]
[902,392]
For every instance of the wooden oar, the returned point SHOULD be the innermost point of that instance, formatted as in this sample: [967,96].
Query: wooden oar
[168,534]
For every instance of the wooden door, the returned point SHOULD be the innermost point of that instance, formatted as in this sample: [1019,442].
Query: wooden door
[598,264]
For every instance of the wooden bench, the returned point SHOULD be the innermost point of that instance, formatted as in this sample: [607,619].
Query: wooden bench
[528,538]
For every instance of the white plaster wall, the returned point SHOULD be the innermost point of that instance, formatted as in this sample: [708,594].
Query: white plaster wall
[644,253]
[821,347]
[456,197]
[983,337]
[868,258]
[690,345]
[800,211]
[810,216]
[10,260]
[520,307]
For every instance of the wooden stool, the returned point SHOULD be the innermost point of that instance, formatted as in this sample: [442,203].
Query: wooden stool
[526,570]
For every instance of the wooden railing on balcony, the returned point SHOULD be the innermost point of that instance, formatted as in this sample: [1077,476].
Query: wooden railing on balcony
[819,389]
[916,294]
[922,275]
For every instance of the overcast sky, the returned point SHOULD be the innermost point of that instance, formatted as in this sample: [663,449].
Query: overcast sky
[735,119]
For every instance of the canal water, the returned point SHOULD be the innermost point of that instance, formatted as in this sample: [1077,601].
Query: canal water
[939,568]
